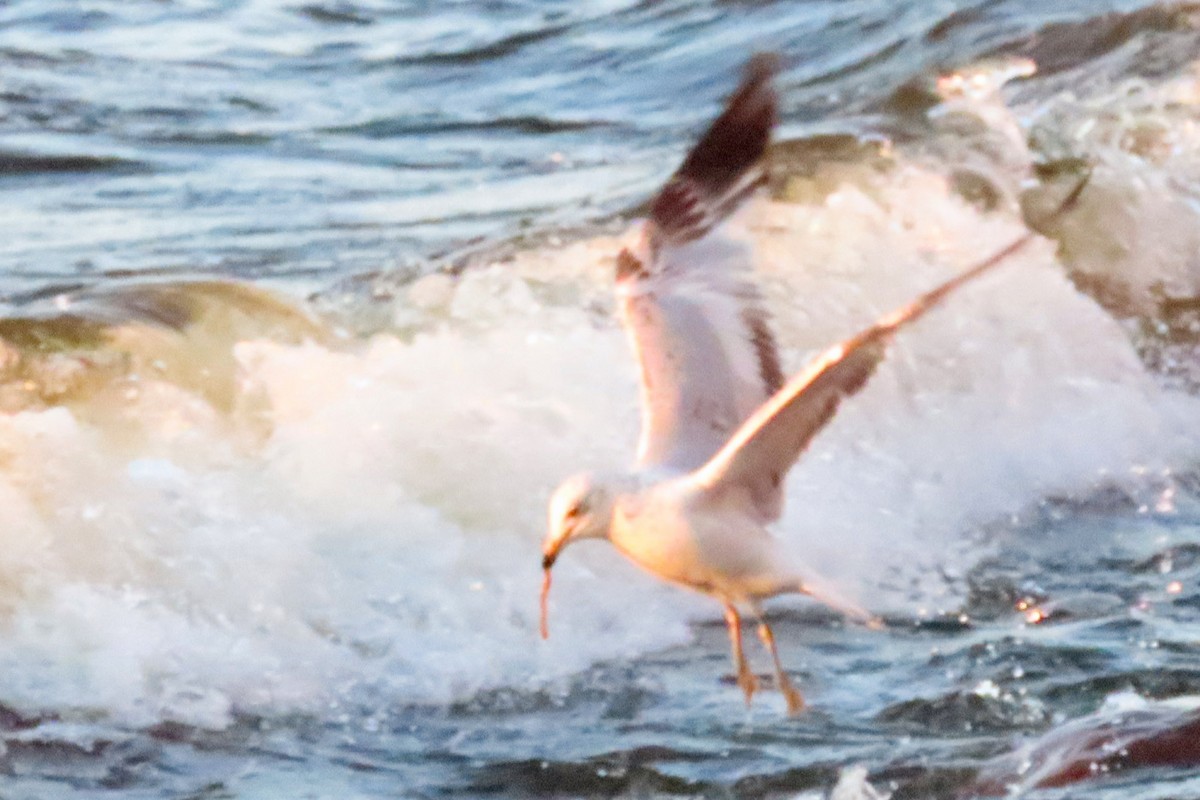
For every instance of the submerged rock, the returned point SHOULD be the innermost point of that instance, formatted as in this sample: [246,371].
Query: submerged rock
[1093,747]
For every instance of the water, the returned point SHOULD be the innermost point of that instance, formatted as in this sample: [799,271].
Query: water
[279,537]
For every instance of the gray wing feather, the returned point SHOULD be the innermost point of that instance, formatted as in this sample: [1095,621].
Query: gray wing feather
[695,320]
[707,358]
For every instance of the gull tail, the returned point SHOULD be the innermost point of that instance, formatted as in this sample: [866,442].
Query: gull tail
[827,594]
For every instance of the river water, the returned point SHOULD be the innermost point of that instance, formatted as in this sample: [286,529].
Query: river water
[307,308]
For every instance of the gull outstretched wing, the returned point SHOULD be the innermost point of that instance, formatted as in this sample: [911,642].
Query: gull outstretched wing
[756,458]
[695,320]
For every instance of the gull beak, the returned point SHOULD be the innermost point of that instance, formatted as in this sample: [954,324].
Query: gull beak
[553,545]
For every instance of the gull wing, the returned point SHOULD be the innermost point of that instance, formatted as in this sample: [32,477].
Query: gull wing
[756,458]
[695,320]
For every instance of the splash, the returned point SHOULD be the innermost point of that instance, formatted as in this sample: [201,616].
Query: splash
[347,517]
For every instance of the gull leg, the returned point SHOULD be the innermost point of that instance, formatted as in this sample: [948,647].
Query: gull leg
[795,701]
[745,678]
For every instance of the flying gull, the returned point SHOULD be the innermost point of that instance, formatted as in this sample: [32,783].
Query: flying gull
[721,426]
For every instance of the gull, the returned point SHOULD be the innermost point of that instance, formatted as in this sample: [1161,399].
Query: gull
[721,426]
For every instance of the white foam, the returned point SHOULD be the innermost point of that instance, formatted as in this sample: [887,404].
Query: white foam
[1136,231]
[853,785]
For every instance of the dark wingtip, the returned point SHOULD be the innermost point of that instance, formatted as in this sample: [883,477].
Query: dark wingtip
[761,68]
[710,182]
[738,138]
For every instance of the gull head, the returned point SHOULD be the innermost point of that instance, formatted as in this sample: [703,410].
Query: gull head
[581,508]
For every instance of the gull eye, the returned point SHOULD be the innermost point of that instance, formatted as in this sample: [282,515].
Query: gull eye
[578,507]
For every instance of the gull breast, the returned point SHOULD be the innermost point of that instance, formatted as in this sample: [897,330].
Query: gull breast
[681,536]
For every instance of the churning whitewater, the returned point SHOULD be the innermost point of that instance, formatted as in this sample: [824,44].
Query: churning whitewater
[307,311]
[361,517]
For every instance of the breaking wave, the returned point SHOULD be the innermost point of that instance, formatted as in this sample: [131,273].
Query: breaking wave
[216,502]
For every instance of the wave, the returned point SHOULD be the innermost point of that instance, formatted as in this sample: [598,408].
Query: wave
[215,503]
[408,126]
[17,163]
[1059,46]
[499,48]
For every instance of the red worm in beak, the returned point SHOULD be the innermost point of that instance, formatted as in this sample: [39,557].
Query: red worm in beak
[545,626]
